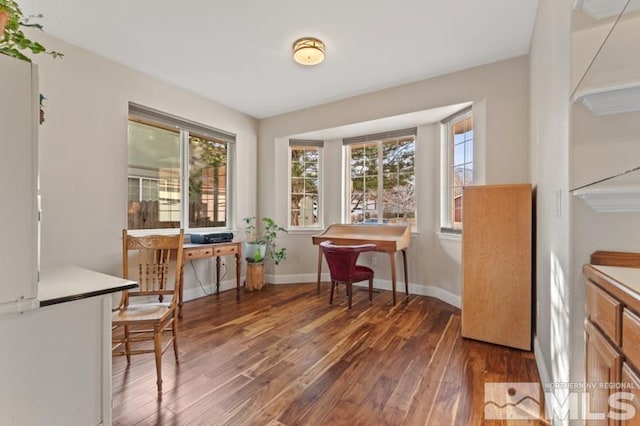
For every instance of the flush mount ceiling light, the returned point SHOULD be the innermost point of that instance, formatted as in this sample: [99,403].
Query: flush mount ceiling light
[308,51]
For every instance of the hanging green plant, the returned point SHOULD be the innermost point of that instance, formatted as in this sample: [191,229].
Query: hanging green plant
[12,40]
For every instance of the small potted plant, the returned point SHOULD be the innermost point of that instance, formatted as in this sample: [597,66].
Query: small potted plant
[12,40]
[258,246]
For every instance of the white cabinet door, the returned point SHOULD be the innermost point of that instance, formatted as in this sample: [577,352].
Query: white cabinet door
[19,112]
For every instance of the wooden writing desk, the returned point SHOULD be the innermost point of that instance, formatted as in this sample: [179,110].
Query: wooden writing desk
[192,251]
[387,238]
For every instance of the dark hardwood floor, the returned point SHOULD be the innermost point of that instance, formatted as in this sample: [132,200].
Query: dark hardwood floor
[284,356]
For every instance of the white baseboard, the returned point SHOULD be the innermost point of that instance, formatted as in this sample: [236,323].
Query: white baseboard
[418,289]
[421,290]
[296,278]
[543,371]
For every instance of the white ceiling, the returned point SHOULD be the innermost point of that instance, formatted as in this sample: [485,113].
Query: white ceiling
[238,53]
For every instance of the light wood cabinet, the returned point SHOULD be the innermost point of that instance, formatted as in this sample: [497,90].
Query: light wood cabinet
[612,331]
[497,263]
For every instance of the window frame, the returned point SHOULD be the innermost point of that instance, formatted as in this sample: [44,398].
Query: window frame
[380,139]
[296,144]
[154,118]
[447,218]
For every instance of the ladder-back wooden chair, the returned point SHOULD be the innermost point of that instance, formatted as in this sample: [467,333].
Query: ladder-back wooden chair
[158,261]
[343,268]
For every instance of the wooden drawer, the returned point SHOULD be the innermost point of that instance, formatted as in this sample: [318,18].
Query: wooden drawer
[198,253]
[631,337]
[604,311]
[224,250]
[631,381]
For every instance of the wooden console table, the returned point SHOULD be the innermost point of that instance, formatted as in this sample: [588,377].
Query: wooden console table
[192,251]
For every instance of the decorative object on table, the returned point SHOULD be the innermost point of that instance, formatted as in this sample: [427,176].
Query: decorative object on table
[259,245]
[12,39]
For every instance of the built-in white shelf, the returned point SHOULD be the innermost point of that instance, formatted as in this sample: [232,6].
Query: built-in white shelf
[600,9]
[611,100]
[611,199]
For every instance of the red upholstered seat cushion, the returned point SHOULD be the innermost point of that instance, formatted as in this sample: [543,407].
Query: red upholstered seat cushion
[362,273]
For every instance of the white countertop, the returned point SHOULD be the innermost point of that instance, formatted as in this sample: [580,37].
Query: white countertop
[65,284]
[628,277]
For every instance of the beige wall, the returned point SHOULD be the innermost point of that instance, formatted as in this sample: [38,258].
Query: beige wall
[549,118]
[499,92]
[83,153]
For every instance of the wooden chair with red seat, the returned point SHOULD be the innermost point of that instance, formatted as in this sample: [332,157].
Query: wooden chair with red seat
[158,258]
[343,268]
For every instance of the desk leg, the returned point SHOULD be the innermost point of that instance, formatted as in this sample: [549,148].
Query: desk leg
[217,274]
[319,269]
[392,257]
[238,255]
[406,276]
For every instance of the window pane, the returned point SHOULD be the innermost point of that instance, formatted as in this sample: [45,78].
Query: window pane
[134,189]
[304,189]
[390,181]
[468,151]
[390,203]
[399,206]
[207,182]
[468,174]
[297,185]
[458,175]
[154,161]
[356,206]
[307,211]
[364,160]
[311,186]
[458,132]
[311,170]
[458,154]
[311,155]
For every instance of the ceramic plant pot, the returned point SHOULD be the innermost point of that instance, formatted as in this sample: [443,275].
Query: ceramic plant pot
[254,252]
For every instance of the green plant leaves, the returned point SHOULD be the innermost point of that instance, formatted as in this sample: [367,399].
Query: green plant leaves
[13,40]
